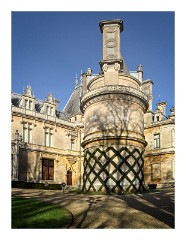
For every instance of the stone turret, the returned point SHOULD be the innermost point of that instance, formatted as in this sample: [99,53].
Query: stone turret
[140,73]
[113,108]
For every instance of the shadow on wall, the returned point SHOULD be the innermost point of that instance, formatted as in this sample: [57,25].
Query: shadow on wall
[121,121]
[29,167]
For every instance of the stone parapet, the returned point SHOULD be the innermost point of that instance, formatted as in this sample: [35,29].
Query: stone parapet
[109,92]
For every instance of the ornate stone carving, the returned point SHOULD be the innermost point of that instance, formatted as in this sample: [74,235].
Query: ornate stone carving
[105,67]
[110,43]
[117,66]
[114,92]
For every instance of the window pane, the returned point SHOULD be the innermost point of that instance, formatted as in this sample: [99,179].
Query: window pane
[26,104]
[51,173]
[30,105]
[29,135]
[51,163]
[45,162]
[157,141]
[50,140]
[45,173]
[46,139]
[24,135]
[47,108]
[51,110]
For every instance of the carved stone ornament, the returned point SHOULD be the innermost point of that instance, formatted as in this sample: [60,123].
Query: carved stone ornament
[110,43]
[105,67]
[117,66]
[105,97]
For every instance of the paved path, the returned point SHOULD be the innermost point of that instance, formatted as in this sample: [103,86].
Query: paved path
[153,210]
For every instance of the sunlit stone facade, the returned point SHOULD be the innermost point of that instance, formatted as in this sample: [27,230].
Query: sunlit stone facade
[107,138]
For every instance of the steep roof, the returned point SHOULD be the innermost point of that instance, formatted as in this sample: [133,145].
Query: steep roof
[73,105]
[16,98]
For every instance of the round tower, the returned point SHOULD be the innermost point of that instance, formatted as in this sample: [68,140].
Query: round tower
[113,108]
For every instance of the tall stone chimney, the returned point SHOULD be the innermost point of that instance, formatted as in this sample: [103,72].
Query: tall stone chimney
[113,108]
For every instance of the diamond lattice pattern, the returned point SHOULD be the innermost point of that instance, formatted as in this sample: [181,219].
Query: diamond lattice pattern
[113,170]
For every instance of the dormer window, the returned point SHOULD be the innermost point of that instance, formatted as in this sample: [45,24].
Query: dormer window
[49,110]
[28,104]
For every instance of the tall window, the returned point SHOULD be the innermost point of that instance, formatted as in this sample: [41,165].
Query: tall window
[28,104]
[27,132]
[47,169]
[48,137]
[157,140]
[49,110]
[72,144]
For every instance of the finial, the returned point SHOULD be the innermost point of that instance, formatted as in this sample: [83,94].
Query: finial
[81,78]
[76,80]
[28,90]
[49,98]
[140,68]
[89,71]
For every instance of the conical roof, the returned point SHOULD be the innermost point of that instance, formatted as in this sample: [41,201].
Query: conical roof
[73,105]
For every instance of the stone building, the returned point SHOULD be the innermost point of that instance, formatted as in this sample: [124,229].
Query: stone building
[106,138]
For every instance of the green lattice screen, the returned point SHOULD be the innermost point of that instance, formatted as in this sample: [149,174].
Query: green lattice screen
[123,167]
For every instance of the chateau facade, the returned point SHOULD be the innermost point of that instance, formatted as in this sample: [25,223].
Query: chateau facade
[106,138]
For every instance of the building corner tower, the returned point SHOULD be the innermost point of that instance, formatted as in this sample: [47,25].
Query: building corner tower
[113,108]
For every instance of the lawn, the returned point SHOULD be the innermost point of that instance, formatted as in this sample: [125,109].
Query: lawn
[31,213]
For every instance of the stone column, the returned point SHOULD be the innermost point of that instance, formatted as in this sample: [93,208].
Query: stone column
[15,156]
[113,108]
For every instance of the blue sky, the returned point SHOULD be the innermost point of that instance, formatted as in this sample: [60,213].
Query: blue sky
[49,48]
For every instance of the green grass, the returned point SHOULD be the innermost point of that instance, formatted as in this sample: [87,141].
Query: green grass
[31,213]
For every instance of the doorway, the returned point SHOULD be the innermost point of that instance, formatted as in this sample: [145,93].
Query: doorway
[69,177]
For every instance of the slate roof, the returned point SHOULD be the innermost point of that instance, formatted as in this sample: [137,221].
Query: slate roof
[73,105]
[125,68]
[16,98]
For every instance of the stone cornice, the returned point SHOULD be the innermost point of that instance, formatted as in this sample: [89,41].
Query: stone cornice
[110,22]
[160,123]
[40,116]
[157,152]
[50,150]
[101,76]
[114,92]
